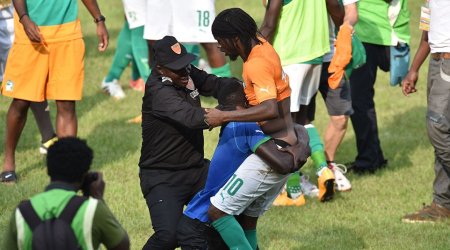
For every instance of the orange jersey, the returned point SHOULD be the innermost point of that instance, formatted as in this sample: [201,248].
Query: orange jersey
[263,76]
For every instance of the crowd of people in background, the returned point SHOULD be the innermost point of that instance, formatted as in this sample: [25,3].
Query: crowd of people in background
[265,119]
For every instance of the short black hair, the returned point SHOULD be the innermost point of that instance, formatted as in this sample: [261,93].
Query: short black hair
[231,94]
[69,159]
[235,22]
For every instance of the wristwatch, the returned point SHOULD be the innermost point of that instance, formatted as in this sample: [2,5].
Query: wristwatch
[101,18]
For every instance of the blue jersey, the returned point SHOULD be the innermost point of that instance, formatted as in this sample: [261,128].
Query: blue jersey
[237,141]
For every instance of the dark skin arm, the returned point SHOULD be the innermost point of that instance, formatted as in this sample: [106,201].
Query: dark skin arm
[102,32]
[31,29]
[410,80]
[336,11]
[266,110]
[282,160]
[271,18]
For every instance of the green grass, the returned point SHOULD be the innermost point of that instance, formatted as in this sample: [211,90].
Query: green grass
[368,217]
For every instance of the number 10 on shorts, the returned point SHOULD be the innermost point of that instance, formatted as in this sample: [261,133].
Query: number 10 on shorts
[233,185]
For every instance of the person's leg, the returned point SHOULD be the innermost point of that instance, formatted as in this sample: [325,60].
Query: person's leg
[66,119]
[122,55]
[41,114]
[251,180]
[249,223]
[217,60]
[166,193]
[139,49]
[438,128]
[192,234]
[15,122]
[364,119]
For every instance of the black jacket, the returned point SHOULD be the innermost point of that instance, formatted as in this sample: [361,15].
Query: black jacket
[173,122]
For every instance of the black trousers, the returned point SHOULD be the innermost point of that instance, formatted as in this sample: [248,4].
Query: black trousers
[166,193]
[193,234]
[364,118]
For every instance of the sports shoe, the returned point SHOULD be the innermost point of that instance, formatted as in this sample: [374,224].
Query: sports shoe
[8,177]
[283,200]
[431,214]
[137,119]
[308,188]
[44,146]
[341,182]
[326,184]
[138,85]
[113,89]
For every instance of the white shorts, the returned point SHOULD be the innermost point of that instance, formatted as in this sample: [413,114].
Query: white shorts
[251,190]
[135,12]
[189,21]
[304,81]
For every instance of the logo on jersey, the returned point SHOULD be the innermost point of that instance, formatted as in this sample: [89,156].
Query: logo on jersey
[264,90]
[176,48]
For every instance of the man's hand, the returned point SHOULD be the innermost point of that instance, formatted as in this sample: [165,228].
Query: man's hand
[214,117]
[31,29]
[409,83]
[97,187]
[103,37]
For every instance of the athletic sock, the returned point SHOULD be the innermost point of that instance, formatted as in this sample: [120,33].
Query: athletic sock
[293,187]
[317,149]
[252,238]
[232,233]
[223,71]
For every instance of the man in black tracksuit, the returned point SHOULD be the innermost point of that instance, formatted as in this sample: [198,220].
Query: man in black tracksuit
[172,164]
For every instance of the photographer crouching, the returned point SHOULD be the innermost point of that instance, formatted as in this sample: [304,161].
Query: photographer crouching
[58,218]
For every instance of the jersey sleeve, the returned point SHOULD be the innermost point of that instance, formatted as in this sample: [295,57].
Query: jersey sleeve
[255,136]
[261,75]
[105,227]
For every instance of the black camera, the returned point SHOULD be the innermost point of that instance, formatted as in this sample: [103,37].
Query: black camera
[86,185]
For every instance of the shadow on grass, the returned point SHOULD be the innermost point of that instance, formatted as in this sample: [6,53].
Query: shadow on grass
[112,141]
[400,137]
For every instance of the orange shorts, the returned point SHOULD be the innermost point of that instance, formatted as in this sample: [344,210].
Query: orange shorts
[36,72]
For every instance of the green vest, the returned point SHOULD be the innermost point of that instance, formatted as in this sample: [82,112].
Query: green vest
[50,204]
[374,25]
[302,31]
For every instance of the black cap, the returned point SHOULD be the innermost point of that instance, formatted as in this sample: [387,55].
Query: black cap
[171,54]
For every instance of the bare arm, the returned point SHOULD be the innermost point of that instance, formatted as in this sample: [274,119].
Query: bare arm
[335,11]
[270,21]
[31,29]
[410,80]
[351,14]
[266,110]
[102,32]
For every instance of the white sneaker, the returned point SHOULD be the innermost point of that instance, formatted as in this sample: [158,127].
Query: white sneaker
[341,182]
[113,89]
[308,188]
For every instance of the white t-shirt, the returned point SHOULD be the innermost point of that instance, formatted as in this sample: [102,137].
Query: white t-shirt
[331,27]
[135,12]
[439,34]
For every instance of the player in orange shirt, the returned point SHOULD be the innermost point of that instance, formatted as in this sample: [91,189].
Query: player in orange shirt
[254,185]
